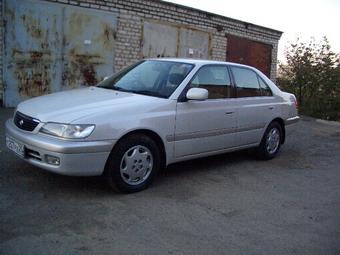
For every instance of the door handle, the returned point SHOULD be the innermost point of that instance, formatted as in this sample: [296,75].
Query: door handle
[229,112]
[271,107]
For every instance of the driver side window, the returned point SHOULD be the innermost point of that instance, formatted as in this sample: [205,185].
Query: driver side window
[215,79]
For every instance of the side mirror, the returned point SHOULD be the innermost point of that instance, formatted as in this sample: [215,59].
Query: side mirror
[197,94]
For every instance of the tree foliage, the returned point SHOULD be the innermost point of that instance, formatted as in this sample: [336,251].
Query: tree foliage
[312,73]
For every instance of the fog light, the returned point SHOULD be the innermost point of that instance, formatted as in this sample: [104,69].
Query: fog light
[52,160]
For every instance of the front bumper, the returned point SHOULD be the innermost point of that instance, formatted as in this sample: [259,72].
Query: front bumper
[77,158]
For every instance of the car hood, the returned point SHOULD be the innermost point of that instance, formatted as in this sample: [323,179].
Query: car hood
[68,106]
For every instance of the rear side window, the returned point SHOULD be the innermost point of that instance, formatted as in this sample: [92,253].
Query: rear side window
[247,84]
[214,78]
[265,90]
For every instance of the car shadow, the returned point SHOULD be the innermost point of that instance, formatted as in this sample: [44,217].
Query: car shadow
[51,183]
[204,165]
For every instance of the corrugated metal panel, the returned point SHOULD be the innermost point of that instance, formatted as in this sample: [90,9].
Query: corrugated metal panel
[165,40]
[50,47]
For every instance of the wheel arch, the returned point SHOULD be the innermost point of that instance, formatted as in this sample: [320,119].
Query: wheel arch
[151,134]
[282,124]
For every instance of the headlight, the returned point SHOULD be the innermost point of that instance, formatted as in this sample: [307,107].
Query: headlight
[67,130]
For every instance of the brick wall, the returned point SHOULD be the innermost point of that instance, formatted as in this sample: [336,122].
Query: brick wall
[129,33]
[132,13]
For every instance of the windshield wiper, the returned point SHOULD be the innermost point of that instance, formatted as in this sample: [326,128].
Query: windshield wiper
[142,92]
[120,89]
[148,93]
[114,88]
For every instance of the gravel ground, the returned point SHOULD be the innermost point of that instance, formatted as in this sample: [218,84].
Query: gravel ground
[227,204]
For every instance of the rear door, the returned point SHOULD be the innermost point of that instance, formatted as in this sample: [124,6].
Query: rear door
[255,103]
[209,125]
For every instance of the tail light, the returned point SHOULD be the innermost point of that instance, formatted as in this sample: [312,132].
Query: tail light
[293,100]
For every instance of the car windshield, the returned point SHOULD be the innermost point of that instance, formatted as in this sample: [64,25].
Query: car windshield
[149,77]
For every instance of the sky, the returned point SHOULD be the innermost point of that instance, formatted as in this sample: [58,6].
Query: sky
[296,18]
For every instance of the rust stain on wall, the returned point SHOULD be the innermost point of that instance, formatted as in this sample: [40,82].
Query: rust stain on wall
[32,71]
[33,82]
[32,62]
[77,22]
[108,37]
[56,48]
[80,70]
[87,41]
[32,26]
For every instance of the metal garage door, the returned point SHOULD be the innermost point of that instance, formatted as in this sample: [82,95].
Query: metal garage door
[159,40]
[165,40]
[193,44]
[51,47]
[248,52]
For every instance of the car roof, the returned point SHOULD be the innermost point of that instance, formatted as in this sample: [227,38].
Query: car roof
[197,61]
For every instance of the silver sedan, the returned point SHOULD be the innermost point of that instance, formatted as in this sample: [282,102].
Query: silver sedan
[151,114]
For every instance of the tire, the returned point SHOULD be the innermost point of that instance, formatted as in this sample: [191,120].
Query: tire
[271,141]
[132,164]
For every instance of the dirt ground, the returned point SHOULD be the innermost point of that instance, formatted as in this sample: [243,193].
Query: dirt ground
[227,204]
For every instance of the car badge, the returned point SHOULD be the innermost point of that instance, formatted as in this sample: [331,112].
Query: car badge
[21,122]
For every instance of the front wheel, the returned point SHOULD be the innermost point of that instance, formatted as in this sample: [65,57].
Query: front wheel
[271,141]
[132,164]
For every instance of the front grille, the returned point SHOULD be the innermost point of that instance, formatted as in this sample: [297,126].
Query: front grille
[25,122]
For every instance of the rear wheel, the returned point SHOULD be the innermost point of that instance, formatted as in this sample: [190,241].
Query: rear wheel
[132,164]
[271,141]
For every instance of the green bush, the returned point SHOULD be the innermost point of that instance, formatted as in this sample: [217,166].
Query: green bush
[312,73]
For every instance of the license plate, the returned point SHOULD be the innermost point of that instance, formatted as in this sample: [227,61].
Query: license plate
[15,146]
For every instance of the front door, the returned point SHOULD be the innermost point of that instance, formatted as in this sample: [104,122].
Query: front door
[209,125]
